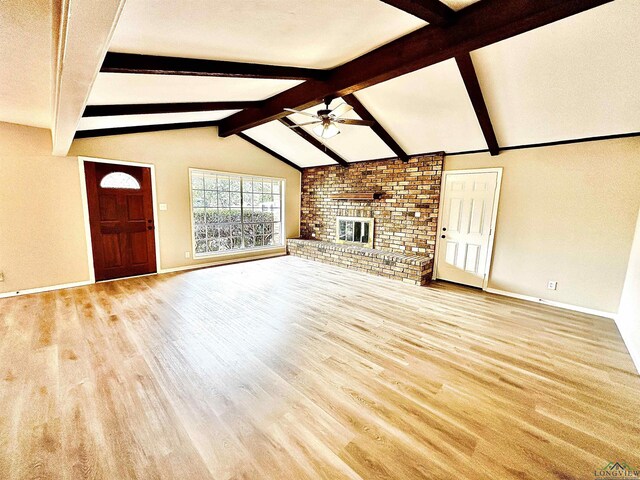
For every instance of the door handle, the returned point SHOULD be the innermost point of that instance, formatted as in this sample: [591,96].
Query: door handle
[443,236]
[150,227]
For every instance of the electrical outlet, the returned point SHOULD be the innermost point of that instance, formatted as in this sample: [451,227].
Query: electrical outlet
[187,254]
[552,285]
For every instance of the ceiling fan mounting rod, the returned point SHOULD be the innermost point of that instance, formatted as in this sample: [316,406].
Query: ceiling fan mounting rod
[328,100]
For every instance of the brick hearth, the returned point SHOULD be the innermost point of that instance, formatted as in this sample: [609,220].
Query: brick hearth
[412,269]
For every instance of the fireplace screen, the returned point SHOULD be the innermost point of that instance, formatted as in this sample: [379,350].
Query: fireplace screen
[355,230]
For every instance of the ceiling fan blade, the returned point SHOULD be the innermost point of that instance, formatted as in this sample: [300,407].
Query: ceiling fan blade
[303,124]
[349,121]
[301,113]
[341,110]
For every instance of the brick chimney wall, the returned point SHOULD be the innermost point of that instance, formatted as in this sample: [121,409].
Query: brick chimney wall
[405,216]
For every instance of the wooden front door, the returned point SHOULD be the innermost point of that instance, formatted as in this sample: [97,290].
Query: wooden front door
[121,218]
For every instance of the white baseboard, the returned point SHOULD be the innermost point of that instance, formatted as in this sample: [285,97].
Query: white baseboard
[50,288]
[566,306]
[622,328]
[279,253]
[45,289]
[627,336]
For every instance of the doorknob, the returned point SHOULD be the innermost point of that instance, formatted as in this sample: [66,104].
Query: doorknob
[443,236]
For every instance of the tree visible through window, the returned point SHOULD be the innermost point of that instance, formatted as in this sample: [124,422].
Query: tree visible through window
[233,212]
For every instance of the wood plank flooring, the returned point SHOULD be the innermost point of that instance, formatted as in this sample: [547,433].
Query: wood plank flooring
[285,368]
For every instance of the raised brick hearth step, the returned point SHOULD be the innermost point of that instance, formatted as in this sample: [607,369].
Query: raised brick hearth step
[409,268]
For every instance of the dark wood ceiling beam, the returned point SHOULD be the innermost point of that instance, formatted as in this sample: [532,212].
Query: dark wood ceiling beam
[266,149]
[479,25]
[154,108]
[155,65]
[105,132]
[362,111]
[468,72]
[432,11]
[315,142]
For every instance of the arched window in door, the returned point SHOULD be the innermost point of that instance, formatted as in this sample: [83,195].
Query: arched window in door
[119,180]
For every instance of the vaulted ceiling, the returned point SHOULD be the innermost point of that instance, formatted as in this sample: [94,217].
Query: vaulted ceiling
[435,76]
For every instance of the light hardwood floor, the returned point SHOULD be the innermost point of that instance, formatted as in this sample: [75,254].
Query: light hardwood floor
[289,369]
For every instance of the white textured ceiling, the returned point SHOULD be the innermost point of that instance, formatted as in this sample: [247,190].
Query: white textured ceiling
[308,33]
[118,88]
[290,145]
[575,78]
[572,79]
[92,123]
[459,4]
[427,110]
[26,62]
[354,143]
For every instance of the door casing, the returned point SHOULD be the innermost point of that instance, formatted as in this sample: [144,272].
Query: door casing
[494,216]
[85,209]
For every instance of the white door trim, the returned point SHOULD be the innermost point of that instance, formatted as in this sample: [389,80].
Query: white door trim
[85,208]
[494,216]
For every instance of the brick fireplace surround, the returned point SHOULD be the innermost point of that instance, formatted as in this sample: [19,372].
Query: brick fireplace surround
[405,215]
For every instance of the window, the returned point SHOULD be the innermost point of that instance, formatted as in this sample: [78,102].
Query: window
[119,180]
[235,212]
[355,230]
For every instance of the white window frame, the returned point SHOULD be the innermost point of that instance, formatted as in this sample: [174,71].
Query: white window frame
[237,251]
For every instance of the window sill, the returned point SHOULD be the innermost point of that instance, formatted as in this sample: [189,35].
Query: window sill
[239,252]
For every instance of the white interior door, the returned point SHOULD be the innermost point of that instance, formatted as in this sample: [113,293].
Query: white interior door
[466,226]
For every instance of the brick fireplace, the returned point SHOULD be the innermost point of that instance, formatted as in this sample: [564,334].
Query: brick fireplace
[405,214]
[404,210]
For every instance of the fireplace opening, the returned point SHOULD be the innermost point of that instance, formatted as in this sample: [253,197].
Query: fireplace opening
[355,230]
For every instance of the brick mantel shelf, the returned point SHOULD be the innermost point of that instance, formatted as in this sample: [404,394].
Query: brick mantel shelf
[361,196]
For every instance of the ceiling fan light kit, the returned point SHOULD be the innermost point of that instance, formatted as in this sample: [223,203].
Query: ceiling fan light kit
[327,130]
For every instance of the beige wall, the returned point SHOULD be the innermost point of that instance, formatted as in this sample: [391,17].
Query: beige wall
[42,239]
[567,213]
[50,250]
[173,153]
[629,313]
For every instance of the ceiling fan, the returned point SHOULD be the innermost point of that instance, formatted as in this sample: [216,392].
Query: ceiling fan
[326,119]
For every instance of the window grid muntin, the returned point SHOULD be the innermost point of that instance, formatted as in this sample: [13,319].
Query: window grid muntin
[251,231]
